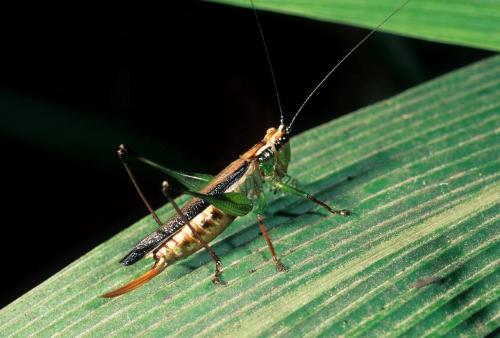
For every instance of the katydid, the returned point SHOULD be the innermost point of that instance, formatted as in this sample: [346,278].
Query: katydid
[218,201]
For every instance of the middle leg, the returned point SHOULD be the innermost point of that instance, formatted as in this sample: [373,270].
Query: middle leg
[263,229]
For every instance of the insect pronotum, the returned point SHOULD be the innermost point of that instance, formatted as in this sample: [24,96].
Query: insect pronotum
[218,200]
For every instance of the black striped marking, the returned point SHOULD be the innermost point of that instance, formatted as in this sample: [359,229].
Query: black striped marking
[191,210]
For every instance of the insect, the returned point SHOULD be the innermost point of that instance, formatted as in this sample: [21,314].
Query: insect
[217,201]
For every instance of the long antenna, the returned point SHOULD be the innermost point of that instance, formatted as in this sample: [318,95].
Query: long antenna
[343,59]
[268,56]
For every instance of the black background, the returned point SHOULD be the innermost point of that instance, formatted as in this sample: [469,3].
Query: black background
[185,83]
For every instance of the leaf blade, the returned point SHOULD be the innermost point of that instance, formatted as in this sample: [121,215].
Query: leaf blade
[424,168]
[467,23]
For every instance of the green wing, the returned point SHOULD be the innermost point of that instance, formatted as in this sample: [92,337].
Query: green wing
[191,181]
[232,203]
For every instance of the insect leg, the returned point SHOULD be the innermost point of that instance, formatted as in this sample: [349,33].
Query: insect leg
[297,192]
[287,179]
[216,279]
[122,152]
[263,229]
[290,180]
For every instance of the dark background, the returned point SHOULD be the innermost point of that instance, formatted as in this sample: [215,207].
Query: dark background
[186,83]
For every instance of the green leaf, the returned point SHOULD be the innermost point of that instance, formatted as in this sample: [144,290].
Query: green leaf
[232,203]
[474,23]
[419,171]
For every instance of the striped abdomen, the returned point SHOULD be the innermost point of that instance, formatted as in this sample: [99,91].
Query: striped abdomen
[208,225]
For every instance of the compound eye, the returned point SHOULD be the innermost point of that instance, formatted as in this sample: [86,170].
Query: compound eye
[281,141]
[265,155]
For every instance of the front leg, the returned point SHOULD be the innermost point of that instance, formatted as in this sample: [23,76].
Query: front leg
[286,188]
[287,179]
